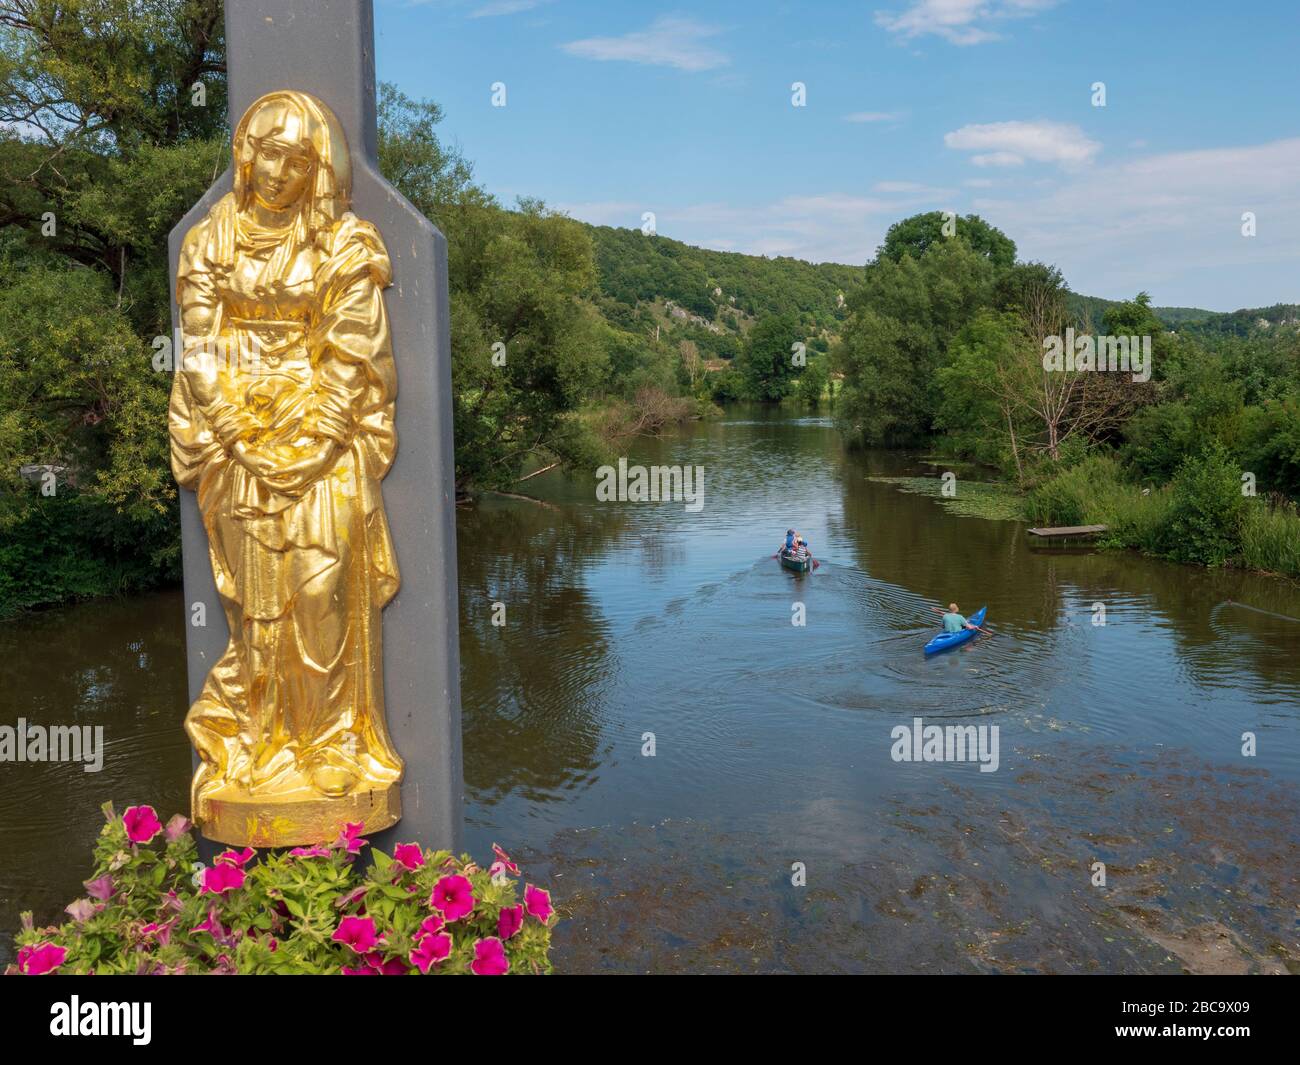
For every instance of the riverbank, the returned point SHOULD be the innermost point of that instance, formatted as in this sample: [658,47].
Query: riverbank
[1202,517]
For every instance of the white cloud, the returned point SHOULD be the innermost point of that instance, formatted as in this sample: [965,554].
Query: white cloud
[1011,143]
[873,116]
[671,41]
[998,159]
[1170,224]
[961,22]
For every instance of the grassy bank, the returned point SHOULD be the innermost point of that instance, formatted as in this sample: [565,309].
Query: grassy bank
[1200,517]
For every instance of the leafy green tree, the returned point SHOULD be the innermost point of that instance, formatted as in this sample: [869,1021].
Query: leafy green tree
[916,235]
[112,122]
[1019,286]
[811,384]
[1270,445]
[79,391]
[902,320]
[985,390]
[1159,437]
[767,364]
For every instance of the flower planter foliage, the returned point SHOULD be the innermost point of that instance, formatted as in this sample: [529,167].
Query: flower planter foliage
[152,907]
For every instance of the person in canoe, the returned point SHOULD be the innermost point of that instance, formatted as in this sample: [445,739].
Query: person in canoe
[953,621]
[795,545]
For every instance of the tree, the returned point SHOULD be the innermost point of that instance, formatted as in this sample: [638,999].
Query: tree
[110,75]
[690,361]
[986,390]
[812,382]
[901,322]
[916,235]
[105,142]
[766,364]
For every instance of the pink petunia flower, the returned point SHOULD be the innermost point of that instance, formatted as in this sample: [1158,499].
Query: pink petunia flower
[504,859]
[408,855]
[430,950]
[454,896]
[41,959]
[101,888]
[141,823]
[350,838]
[178,826]
[429,926]
[316,851]
[510,921]
[489,958]
[236,858]
[160,931]
[538,902]
[211,925]
[391,967]
[357,933]
[82,910]
[222,878]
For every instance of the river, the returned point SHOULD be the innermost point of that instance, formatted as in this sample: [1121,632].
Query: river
[771,829]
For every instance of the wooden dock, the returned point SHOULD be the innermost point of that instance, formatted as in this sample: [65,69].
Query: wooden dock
[1068,530]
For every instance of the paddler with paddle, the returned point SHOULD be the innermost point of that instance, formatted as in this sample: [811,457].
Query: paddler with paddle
[954,621]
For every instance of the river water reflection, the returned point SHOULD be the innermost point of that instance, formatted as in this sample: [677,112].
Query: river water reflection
[1119,744]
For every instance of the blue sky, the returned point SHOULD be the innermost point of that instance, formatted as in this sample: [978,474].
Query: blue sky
[614,109]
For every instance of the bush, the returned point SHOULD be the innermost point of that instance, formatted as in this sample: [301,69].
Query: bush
[727,386]
[153,909]
[1207,512]
[1080,495]
[811,384]
[75,545]
[1270,537]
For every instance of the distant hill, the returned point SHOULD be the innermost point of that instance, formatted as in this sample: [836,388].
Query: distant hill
[1242,323]
[636,269]
[710,295]
[1194,321]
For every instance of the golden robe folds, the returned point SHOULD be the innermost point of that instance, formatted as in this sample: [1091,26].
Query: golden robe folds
[282,421]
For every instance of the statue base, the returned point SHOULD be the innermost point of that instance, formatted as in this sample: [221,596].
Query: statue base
[297,819]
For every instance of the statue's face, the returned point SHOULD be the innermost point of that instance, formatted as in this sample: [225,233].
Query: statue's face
[281,170]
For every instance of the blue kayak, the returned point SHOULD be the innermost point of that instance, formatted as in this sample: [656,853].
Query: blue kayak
[947,640]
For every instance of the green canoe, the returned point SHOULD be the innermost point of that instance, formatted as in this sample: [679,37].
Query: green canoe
[796,563]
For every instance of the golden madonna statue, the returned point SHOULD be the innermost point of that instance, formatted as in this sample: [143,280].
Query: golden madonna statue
[281,420]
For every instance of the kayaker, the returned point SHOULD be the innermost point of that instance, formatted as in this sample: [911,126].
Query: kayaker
[954,622]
